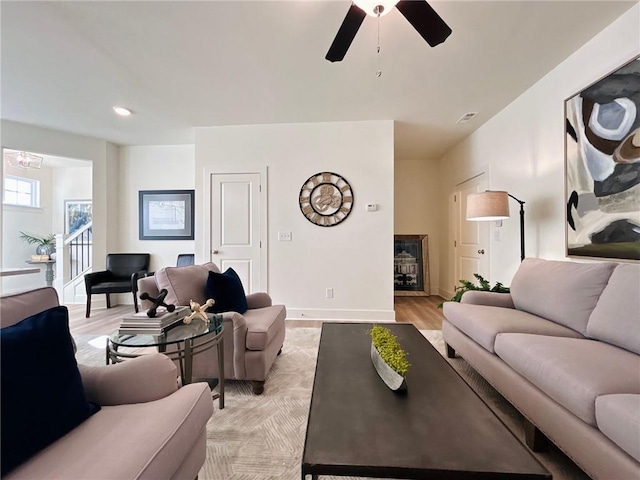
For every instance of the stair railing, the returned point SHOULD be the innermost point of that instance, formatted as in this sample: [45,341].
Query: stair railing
[73,254]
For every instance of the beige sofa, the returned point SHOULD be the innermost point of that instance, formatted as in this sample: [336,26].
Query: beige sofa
[146,427]
[564,348]
[252,340]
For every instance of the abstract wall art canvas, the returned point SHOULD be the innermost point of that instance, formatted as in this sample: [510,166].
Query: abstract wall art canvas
[602,155]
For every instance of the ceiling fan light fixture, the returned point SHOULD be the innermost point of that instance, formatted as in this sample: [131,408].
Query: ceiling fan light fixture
[375,8]
[431,27]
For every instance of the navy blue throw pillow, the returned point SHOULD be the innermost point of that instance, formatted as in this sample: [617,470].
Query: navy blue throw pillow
[42,393]
[226,289]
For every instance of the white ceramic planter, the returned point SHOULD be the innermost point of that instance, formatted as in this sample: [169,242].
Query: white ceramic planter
[394,380]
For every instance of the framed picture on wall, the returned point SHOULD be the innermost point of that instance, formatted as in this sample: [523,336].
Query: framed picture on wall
[602,167]
[166,214]
[411,265]
[77,214]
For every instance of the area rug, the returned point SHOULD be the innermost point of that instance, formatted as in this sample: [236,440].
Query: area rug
[262,437]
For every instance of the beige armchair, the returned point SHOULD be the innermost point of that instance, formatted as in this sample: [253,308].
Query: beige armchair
[146,428]
[252,340]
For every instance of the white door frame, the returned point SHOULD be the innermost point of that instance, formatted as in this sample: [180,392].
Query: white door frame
[205,231]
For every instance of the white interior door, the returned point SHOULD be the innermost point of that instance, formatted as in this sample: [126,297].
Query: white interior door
[235,226]
[472,238]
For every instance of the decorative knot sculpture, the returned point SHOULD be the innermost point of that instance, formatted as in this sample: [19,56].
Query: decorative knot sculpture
[199,311]
[157,302]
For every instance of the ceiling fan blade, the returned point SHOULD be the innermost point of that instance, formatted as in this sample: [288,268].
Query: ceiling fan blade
[346,34]
[425,20]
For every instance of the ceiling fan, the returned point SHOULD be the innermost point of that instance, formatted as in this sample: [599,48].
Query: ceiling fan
[418,12]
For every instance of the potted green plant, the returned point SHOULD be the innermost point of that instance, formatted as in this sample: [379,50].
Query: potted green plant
[388,358]
[45,246]
[484,285]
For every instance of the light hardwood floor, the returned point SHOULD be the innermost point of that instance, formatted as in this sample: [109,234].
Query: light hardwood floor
[421,311]
[103,321]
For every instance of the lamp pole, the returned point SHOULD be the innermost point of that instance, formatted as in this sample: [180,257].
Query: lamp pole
[521,226]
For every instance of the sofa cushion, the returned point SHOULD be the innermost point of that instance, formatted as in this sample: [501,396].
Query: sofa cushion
[573,372]
[564,292]
[618,417]
[263,324]
[616,318]
[42,393]
[483,323]
[227,291]
[185,283]
[140,440]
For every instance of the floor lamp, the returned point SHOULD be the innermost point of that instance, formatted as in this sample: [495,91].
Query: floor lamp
[494,205]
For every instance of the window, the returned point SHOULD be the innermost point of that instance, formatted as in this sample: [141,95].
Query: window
[21,191]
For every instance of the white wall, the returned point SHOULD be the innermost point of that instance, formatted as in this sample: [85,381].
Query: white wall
[524,148]
[418,209]
[152,168]
[355,258]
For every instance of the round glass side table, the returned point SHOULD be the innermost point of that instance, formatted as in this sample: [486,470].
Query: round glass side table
[180,338]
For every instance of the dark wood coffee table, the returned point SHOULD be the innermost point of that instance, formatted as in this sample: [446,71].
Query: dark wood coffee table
[438,429]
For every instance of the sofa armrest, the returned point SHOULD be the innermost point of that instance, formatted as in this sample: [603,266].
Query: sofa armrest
[491,299]
[258,300]
[138,380]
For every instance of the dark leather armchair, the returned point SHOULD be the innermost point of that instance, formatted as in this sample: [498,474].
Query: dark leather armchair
[121,276]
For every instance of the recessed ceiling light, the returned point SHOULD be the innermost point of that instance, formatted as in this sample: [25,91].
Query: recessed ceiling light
[125,112]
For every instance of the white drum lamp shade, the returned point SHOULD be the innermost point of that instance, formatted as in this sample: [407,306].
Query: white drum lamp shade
[487,206]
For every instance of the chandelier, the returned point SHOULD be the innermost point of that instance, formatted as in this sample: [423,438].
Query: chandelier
[22,159]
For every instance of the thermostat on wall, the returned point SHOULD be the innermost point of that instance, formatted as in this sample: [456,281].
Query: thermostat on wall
[372,207]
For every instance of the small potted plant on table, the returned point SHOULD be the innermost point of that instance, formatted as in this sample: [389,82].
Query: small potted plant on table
[46,246]
[388,357]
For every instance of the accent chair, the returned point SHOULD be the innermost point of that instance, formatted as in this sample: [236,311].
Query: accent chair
[162,428]
[121,276]
[252,339]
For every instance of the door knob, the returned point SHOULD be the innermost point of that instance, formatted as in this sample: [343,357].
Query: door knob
[215,252]
[481,252]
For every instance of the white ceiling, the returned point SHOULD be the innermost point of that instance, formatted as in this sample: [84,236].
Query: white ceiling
[180,65]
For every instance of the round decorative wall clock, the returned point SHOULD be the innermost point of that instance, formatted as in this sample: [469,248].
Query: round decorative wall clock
[326,199]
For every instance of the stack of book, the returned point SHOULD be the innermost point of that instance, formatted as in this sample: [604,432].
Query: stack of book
[140,323]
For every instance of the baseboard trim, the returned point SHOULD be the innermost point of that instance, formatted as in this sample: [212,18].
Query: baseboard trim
[382,316]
